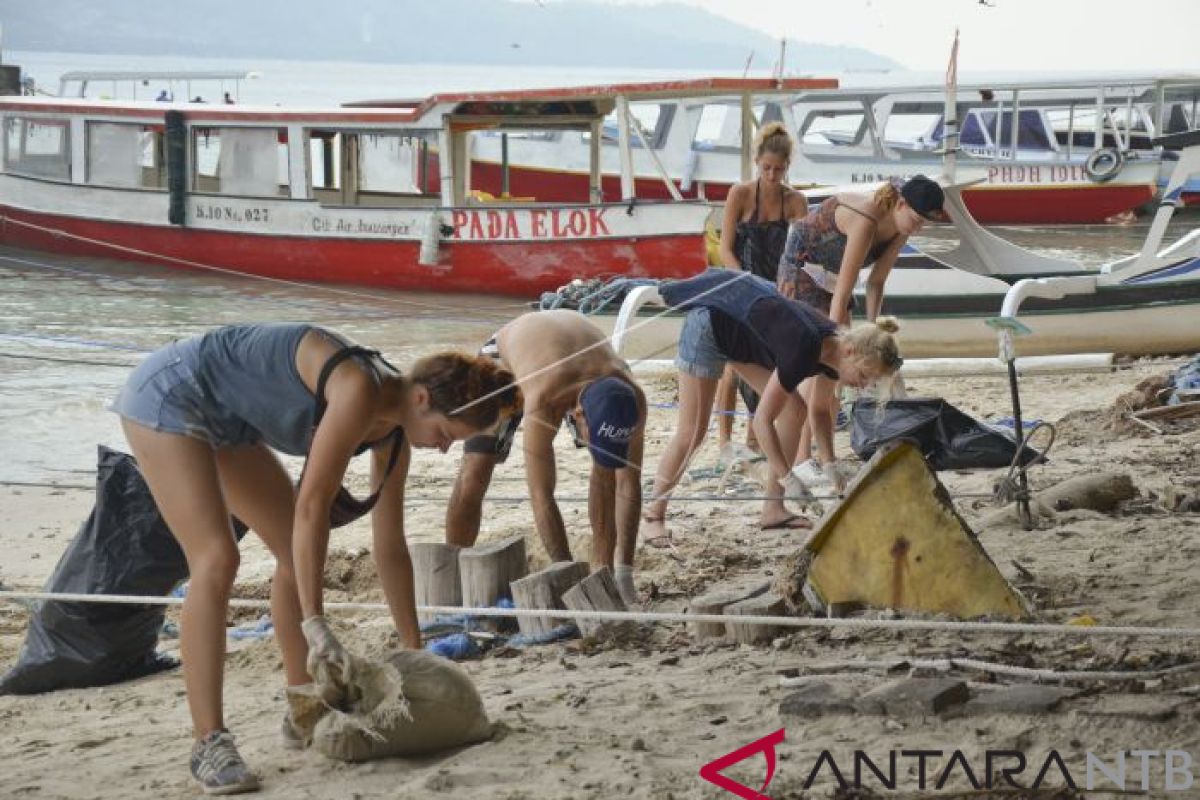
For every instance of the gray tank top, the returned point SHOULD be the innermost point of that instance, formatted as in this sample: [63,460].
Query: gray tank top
[250,372]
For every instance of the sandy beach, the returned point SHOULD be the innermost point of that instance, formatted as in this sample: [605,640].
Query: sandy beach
[638,718]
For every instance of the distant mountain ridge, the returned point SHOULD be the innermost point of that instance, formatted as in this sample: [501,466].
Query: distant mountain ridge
[577,33]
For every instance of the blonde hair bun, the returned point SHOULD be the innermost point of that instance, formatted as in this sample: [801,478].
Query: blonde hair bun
[887,324]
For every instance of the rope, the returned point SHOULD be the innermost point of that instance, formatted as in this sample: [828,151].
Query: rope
[226,271]
[417,499]
[661,616]
[68,360]
[948,664]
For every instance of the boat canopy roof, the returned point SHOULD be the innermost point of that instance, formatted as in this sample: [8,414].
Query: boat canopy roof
[569,107]
[1030,91]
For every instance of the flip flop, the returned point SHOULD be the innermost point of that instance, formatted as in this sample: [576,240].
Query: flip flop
[660,542]
[786,524]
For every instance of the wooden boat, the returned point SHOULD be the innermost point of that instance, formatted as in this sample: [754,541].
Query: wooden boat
[1145,304]
[1082,151]
[372,196]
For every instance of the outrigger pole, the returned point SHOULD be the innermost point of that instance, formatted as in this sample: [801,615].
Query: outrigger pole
[1006,326]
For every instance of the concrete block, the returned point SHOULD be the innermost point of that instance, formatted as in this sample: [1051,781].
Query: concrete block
[1021,698]
[915,697]
[819,698]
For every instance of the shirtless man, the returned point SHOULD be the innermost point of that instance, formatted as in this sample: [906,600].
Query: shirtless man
[567,372]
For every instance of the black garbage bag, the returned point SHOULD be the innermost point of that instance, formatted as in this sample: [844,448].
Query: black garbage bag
[948,438]
[124,547]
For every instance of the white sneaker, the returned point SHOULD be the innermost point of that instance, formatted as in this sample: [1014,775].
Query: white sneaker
[812,475]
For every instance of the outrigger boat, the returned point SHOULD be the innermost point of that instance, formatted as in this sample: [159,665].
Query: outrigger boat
[1083,149]
[1148,303]
[377,196]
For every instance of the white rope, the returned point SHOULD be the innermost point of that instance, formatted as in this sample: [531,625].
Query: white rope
[660,616]
[817,671]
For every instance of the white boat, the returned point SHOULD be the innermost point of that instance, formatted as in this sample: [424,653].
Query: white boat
[1148,303]
[1082,153]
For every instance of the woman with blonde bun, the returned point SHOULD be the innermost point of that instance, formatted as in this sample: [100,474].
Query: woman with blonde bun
[772,342]
[203,417]
[754,231]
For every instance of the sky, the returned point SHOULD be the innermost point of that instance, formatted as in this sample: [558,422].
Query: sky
[1038,35]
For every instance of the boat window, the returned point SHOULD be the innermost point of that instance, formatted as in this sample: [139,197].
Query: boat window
[913,131]
[1031,130]
[397,163]
[837,128]
[250,162]
[125,154]
[654,119]
[720,126]
[40,148]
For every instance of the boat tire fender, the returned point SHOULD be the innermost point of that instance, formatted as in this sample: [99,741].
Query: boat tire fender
[1104,164]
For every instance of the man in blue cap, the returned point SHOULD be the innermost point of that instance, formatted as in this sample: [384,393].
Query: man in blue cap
[568,372]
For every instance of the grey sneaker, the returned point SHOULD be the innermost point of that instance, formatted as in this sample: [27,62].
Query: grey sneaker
[219,768]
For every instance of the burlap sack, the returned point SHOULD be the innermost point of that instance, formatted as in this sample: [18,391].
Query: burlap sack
[411,704]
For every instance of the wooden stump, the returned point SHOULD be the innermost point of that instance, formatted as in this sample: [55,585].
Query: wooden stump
[715,603]
[486,571]
[1099,491]
[435,576]
[545,589]
[596,592]
[768,605]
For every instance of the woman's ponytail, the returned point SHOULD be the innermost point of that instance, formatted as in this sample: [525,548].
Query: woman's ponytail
[474,389]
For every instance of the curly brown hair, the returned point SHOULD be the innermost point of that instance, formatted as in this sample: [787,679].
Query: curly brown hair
[473,389]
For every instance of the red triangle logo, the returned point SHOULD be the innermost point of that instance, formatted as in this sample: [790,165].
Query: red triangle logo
[711,771]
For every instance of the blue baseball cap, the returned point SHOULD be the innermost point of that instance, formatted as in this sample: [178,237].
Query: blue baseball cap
[611,410]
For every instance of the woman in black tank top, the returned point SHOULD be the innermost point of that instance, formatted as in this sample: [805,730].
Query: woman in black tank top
[754,231]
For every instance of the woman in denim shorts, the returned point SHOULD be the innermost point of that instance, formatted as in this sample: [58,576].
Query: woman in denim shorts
[773,343]
[203,417]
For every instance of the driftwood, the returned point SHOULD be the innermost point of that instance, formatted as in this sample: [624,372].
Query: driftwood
[435,575]
[487,570]
[715,603]
[1177,411]
[596,592]
[765,605]
[545,589]
[1101,491]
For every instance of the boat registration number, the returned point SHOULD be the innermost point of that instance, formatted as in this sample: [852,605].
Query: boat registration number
[231,213]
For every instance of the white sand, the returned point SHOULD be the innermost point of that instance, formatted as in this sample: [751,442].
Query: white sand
[639,720]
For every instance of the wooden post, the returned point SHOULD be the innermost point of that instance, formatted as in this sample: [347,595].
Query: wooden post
[716,603]
[486,571]
[545,590]
[435,576]
[771,605]
[596,592]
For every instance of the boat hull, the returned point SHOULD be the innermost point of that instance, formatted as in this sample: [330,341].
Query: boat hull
[506,251]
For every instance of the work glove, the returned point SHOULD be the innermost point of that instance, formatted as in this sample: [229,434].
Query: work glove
[328,661]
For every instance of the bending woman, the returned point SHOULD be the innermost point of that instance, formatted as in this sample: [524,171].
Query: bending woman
[773,343]
[753,233]
[822,260]
[202,417]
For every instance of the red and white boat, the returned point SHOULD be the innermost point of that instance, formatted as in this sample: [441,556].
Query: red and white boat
[1082,153]
[365,195]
